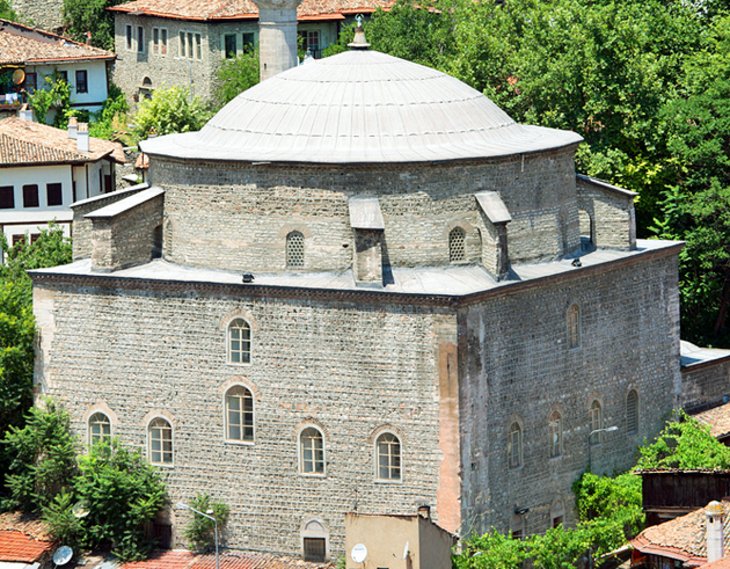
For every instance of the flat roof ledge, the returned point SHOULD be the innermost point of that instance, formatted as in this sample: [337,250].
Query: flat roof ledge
[126,204]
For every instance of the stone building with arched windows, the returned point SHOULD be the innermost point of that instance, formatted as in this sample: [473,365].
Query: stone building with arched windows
[362,286]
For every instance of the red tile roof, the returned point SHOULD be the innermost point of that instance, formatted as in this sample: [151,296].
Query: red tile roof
[18,546]
[21,45]
[219,10]
[718,418]
[24,142]
[682,538]
[188,560]
[723,563]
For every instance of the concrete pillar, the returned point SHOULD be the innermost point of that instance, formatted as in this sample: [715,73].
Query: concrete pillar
[715,515]
[277,35]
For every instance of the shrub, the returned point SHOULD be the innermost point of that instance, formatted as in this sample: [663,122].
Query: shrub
[236,75]
[168,111]
[200,532]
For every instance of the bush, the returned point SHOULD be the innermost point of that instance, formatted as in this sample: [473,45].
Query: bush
[55,99]
[168,111]
[200,532]
[110,123]
[236,75]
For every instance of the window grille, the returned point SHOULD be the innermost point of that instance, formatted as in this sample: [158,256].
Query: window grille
[515,446]
[295,250]
[315,549]
[388,457]
[457,245]
[100,428]
[239,414]
[632,412]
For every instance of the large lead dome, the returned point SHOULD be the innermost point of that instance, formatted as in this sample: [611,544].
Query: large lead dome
[359,107]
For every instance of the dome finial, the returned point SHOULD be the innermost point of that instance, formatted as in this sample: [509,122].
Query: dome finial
[359,41]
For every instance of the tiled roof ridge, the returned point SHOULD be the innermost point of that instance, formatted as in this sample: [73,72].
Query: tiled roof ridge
[51,35]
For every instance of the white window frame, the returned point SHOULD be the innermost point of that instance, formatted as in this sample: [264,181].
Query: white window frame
[159,39]
[228,438]
[376,456]
[129,37]
[141,47]
[190,45]
[91,436]
[300,452]
[229,351]
[150,426]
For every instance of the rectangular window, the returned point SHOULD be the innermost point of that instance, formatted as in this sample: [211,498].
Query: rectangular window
[249,40]
[107,183]
[229,46]
[140,39]
[7,197]
[181,39]
[198,46]
[163,41]
[189,47]
[82,81]
[156,40]
[30,195]
[315,549]
[54,194]
[18,239]
[34,237]
[30,81]
[63,75]
[309,41]
[128,42]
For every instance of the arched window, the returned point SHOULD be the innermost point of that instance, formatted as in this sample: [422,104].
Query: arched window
[573,324]
[160,442]
[515,445]
[311,451]
[388,457]
[632,412]
[100,428]
[596,422]
[555,434]
[295,250]
[239,342]
[457,245]
[239,414]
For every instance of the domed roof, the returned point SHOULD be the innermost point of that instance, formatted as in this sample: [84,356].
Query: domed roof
[359,106]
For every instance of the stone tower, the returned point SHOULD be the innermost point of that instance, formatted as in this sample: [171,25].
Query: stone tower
[277,35]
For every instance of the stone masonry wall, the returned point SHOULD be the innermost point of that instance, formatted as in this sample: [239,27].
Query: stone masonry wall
[45,14]
[238,216]
[705,385]
[612,215]
[82,226]
[128,238]
[517,366]
[198,75]
[349,368]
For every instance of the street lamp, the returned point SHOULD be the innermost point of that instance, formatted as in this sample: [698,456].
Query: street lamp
[184,506]
[610,429]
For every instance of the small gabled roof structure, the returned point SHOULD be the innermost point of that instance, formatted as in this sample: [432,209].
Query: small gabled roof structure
[23,45]
[222,10]
[25,143]
[683,538]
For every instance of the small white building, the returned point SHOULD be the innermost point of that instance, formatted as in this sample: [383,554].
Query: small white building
[43,170]
[29,55]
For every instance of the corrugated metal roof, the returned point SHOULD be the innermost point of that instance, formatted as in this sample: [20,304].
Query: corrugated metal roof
[360,106]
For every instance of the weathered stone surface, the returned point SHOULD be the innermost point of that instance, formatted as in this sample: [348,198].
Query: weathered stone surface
[45,14]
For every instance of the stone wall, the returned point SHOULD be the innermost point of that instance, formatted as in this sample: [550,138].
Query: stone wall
[705,385]
[349,367]
[238,216]
[611,211]
[44,14]
[165,70]
[128,238]
[518,367]
[81,229]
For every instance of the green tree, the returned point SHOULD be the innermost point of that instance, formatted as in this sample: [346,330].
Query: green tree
[82,16]
[42,458]
[200,531]
[168,111]
[491,551]
[7,12]
[236,75]
[55,99]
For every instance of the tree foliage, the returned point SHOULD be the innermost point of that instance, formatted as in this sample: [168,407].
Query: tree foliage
[236,75]
[92,16]
[168,111]
[54,100]
[200,531]
[7,12]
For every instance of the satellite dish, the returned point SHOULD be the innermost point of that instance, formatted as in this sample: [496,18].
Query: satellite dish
[18,76]
[62,555]
[406,551]
[80,510]
[359,553]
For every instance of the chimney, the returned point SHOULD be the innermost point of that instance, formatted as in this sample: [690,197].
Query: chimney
[277,35]
[425,511]
[73,125]
[715,516]
[25,114]
[82,137]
